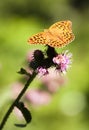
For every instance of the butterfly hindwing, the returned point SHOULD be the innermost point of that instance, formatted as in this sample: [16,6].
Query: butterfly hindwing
[55,43]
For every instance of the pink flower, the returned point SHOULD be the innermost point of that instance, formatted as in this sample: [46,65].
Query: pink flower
[42,71]
[63,61]
[38,97]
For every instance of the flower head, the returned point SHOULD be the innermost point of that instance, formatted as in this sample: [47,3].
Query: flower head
[62,61]
[41,62]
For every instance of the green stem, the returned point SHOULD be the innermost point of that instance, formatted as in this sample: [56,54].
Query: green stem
[17,100]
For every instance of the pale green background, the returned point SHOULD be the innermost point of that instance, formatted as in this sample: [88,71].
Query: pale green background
[19,19]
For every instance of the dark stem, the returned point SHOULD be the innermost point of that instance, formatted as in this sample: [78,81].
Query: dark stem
[17,100]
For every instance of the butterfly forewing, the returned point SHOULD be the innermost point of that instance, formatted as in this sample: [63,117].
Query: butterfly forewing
[38,39]
[62,31]
[62,25]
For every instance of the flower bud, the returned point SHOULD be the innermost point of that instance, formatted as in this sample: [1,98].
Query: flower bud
[38,55]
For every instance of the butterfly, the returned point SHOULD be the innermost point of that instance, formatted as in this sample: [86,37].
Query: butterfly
[57,35]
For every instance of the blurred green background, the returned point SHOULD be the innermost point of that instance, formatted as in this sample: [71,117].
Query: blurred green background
[20,19]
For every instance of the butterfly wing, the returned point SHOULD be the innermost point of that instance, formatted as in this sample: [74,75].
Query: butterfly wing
[58,35]
[62,25]
[60,42]
[38,38]
[55,43]
[62,33]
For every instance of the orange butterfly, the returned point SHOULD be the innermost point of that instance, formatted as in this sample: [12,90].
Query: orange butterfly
[58,35]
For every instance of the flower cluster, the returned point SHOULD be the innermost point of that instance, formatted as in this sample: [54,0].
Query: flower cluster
[41,62]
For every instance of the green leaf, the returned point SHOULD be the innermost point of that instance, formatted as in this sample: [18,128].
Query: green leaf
[26,114]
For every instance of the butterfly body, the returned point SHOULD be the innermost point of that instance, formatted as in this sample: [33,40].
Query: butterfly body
[58,35]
